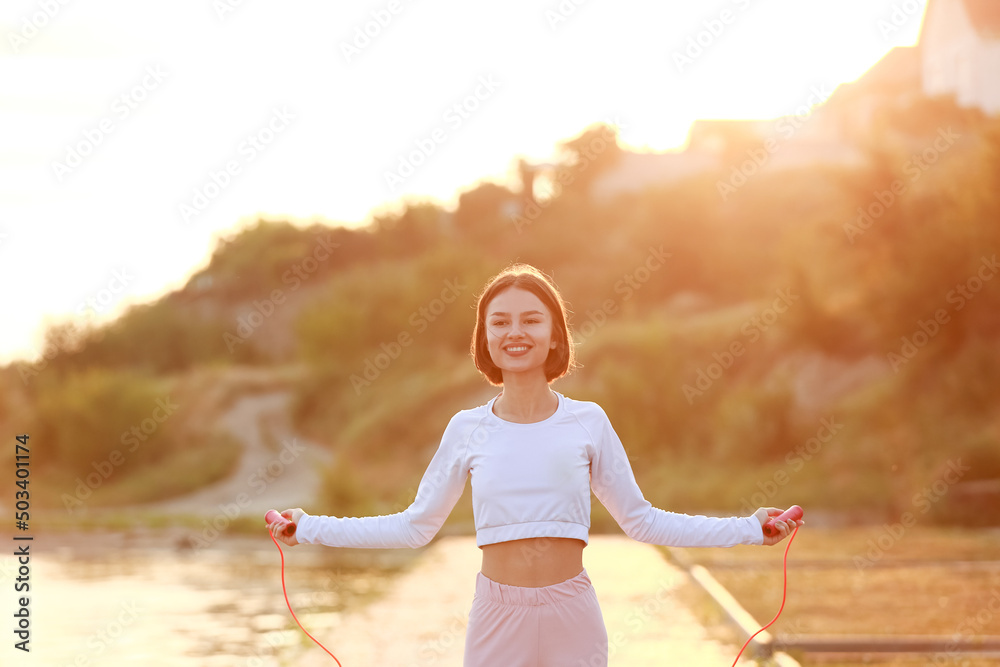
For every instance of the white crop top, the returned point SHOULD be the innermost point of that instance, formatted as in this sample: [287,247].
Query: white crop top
[530,480]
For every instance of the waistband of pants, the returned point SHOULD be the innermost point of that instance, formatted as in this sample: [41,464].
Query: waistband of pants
[526,596]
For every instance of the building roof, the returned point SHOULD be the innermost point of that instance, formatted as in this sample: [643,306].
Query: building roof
[636,171]
[898,69]
[897,72]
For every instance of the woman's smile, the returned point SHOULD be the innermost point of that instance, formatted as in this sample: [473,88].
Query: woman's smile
[519,328]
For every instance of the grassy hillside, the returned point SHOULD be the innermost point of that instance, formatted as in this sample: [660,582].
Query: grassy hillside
[784,345]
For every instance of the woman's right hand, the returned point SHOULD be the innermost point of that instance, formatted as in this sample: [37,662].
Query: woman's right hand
[292,515]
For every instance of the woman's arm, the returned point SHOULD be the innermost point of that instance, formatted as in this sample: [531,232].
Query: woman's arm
[439,490]
[614,485]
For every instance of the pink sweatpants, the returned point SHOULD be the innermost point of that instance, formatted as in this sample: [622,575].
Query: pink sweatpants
[551,626]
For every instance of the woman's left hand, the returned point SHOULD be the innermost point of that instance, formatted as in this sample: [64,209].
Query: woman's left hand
[785,528]
[293,515]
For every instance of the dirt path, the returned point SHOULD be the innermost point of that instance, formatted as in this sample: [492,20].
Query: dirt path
[422,621]
[278,468]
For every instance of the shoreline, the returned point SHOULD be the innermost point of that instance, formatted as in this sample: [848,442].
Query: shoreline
[97,543]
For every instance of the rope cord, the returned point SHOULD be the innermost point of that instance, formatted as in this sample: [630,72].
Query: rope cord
[285,591]
[784,590]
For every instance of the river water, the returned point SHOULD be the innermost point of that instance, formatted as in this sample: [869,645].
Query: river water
[177,606]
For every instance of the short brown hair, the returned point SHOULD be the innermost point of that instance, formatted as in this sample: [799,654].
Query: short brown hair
[524,276]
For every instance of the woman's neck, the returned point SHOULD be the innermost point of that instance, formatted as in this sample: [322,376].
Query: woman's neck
[525,401]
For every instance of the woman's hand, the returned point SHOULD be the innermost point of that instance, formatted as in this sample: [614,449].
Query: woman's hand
[785,528]
[292,515]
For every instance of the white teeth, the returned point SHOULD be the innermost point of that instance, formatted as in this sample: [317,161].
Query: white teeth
[517,348]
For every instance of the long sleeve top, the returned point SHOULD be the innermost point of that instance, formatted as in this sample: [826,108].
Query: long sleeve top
[530,480]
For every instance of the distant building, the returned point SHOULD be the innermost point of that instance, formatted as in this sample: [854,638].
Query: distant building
[894,82]
[957,54]
[635,172]
[960,52]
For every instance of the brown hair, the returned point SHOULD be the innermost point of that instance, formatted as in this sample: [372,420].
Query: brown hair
[524,276]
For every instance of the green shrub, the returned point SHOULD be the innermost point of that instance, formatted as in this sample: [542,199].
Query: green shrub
[83,417]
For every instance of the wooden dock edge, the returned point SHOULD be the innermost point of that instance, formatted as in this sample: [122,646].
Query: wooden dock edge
[763,644]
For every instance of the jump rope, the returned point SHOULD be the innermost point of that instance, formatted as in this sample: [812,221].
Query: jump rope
[272,516]
[793,513]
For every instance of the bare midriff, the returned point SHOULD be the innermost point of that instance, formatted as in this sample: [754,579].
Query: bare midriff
[533,562]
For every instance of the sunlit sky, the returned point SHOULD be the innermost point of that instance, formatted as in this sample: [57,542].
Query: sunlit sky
[114,114]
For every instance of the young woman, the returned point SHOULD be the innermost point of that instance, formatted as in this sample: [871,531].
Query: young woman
[534,455]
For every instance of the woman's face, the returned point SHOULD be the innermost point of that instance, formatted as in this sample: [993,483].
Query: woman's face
[519,331]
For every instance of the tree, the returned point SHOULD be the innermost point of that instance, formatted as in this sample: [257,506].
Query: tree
[593,152]
[484,211]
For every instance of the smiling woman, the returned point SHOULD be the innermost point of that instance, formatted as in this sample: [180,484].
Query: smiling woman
[519,309]
[534,456]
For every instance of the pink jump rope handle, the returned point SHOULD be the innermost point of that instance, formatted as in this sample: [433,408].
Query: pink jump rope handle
[272,516]
[793,513]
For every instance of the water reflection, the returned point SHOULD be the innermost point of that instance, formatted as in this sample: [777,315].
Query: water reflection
[179,607]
